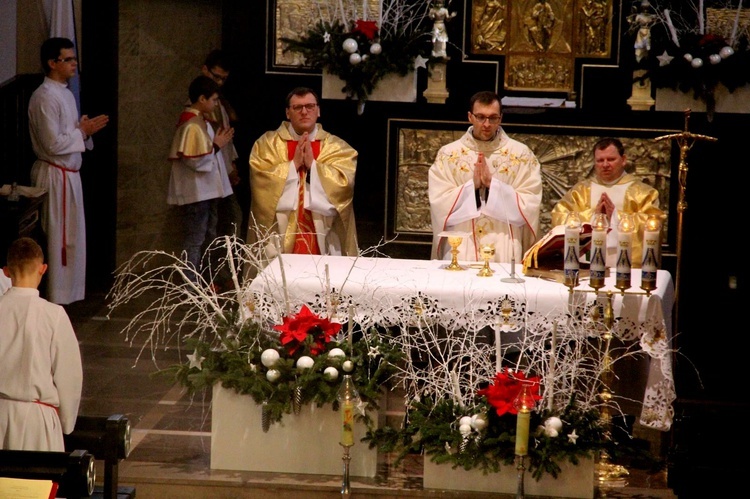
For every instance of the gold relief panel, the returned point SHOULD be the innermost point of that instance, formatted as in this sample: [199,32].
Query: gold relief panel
[292,18]
[564,153]
[489,26]
[594,28]
[542,26]
[537,72]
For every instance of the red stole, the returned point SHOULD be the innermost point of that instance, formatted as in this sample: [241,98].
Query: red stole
[305,241]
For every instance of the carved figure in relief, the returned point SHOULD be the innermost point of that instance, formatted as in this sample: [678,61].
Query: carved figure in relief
[489,25]
[594,27]
[539,25]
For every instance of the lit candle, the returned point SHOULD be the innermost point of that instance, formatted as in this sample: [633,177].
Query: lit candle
[651,240]
[523,403]
[571,266]
[624,242]
[347,423]
[598,265]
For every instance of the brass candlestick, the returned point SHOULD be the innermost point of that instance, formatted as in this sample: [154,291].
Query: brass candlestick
[608,474]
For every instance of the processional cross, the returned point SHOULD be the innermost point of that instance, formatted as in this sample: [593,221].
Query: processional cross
[686,140]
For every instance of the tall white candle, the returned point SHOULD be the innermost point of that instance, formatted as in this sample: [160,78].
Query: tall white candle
[498,356]
[571,265]
[624,244]
[552,354]
[736,22]
[701,21]
[598,265]
[650,264]
[350,329]
[328,280]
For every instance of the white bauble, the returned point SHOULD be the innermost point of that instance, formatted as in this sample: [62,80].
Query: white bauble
[466,420]
[365,57]
[269,357]
[305,362]
[350,45]
[331,373]
[726,52]
[355,59]
[478,422]
[697,62]
[348,366]
[714,58]
[464,429]
[551,432]
[273,375]
[688,57]
[376,48]
[554,422]
[336,353]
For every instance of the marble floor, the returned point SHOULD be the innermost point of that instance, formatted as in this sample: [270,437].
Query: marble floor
[171,431]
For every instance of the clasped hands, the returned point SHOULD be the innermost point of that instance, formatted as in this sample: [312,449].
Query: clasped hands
[482,175]
[303,155]
[89,126]
[605,205]
[223,136]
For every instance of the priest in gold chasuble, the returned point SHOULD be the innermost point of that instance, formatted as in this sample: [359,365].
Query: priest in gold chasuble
[302,184]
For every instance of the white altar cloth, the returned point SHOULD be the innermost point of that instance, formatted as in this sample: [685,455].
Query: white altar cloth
[382,289]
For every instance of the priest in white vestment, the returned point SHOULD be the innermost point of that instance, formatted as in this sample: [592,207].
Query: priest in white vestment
[487,186]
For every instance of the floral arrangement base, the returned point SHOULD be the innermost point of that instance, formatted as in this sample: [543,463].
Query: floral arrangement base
[668,99]
[307,442]
[392,88]
[573,481]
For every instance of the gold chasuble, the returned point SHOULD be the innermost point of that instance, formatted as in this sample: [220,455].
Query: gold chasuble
[306,242]
[336,164]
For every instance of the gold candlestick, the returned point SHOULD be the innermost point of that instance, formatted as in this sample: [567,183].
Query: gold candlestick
[487,251]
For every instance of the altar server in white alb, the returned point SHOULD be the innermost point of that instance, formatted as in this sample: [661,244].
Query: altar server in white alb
[486,185]
[41,377]
[58,137]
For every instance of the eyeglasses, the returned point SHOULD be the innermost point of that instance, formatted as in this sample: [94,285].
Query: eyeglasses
[218,77]
[297,108]
[494,120]
[67,59]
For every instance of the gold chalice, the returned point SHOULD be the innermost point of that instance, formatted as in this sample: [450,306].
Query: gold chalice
[454,239]
[487,251]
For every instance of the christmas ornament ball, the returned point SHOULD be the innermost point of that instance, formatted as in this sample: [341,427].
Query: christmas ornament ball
[466,420]
[336,352]
[331,373]
[726,52]
[350,45]
[465,429]
[348,366]
[478,422]
[305,362]
[269,357]
[554,423]
[376,48]
[697,62]
[714,58]
[355,58]
[273,375]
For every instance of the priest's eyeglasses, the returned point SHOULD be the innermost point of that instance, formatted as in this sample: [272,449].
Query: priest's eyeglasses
[67,59]
[297,108]
[494,120]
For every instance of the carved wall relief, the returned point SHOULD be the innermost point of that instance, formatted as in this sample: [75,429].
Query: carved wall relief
[541,39]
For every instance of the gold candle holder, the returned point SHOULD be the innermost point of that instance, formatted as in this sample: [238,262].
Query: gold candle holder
[487,251]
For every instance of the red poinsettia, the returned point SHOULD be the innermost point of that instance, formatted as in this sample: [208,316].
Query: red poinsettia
[367,28]
[506,388]
[306,329]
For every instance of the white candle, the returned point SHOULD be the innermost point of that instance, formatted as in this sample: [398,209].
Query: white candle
[277,245]
[571,266]
[650,264]
[624,243]
[364,10]
[598,264]
[701,25]
[328,281]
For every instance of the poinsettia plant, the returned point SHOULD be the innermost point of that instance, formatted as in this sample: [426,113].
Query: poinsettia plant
[506,387]
[306,332]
